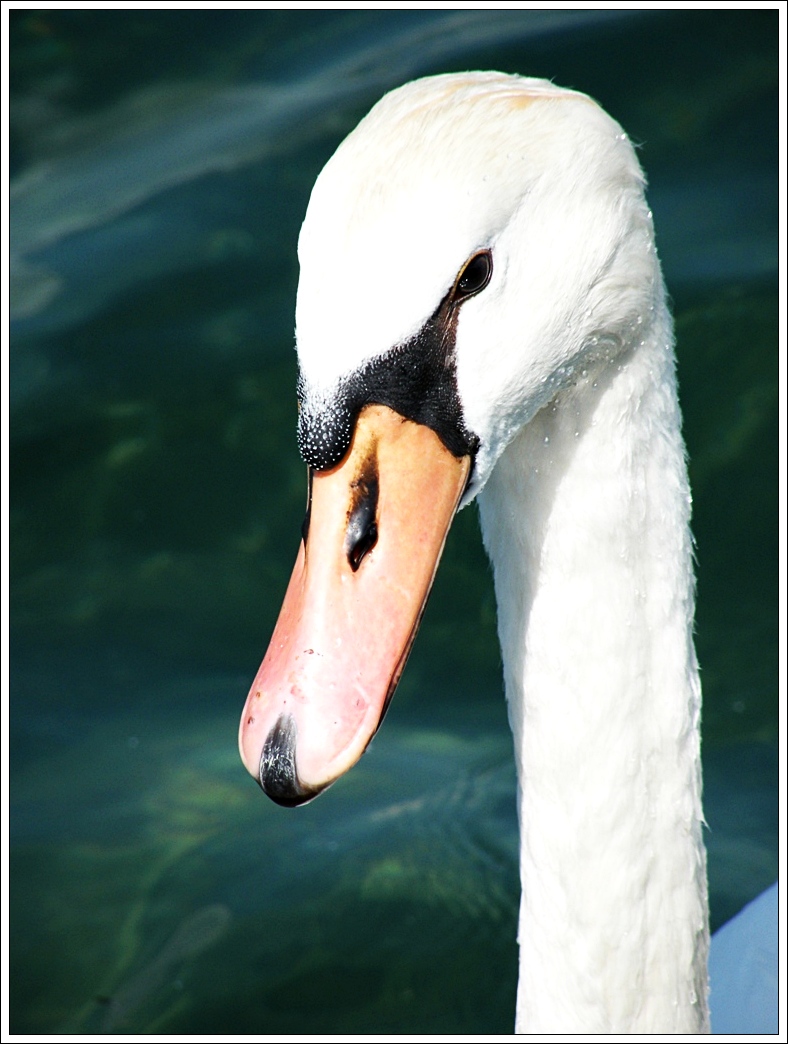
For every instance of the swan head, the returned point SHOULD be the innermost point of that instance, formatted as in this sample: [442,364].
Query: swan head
[471,246]
[537,178]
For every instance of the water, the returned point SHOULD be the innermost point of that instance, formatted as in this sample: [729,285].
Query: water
[161,166]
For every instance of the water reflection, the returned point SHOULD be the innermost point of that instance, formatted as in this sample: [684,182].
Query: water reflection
[195,934]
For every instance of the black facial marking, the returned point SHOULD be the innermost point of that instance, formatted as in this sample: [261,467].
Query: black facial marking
[362,527]
[417,379]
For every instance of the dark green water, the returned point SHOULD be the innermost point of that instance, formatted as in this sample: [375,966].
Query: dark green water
[161,165]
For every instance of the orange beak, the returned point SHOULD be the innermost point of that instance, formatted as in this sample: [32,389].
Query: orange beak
[374,534]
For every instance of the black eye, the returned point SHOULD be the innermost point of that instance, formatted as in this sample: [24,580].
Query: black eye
[474,277]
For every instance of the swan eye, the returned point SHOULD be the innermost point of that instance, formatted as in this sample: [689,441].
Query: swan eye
[474,277]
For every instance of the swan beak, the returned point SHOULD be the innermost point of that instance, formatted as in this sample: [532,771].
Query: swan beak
[373,537]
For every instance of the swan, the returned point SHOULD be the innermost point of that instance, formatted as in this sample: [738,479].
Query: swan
[481,313]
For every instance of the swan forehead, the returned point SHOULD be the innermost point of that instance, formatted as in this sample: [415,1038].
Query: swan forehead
[433,173]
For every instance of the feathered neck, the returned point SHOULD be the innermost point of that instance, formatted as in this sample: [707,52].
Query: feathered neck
[586,520]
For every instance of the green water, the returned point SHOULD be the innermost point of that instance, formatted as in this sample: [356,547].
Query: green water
[161,164]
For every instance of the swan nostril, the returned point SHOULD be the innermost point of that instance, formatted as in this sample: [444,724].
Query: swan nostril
[362,526]
[360,541]
[278,775]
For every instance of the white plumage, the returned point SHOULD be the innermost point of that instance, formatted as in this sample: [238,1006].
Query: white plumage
[565,372]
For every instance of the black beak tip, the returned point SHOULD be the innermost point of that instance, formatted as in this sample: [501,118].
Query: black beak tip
[278,776]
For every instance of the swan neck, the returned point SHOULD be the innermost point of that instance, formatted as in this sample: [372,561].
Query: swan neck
[586,521]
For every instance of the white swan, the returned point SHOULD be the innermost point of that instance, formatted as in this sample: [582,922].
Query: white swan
[478,257]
